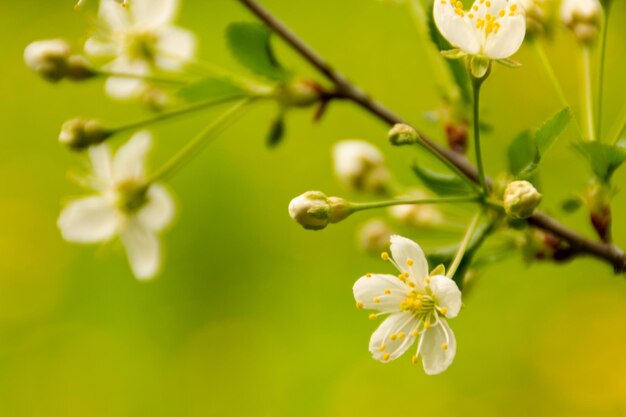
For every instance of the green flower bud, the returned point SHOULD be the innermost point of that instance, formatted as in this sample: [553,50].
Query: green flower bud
[313,210]
[48,58]
[299,93]
[403,134]
[79,134]
[521,198]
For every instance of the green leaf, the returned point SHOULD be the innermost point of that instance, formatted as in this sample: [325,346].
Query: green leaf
[604,158]
[211,88]
[277,132]
[522,153]
[441,184]
[550,131]
[250,45]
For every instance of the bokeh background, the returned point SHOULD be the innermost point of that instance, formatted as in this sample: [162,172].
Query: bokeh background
[253,316]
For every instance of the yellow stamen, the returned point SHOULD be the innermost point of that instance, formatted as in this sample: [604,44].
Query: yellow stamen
[372,316]
[409,262]
[386,356]
[401,335]
[359,304]
[384,256]
[382,348]
[376,299]
[414,359]
[387,291]
[427,325]
[501,13]
[414,333]
[444,310]
[444,346]
[393,336]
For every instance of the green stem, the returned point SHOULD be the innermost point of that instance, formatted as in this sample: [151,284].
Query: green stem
[541,53]
[620,126]
[476,84]
[400,202]
[586,92]
[147,78]
[166,116]
[463,246]
[605,31]
[195,145]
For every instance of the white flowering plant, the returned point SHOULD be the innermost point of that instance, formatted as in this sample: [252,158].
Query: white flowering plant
[143,56]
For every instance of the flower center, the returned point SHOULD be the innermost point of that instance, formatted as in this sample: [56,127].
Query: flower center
[141,45]
[487,23]
[420,304]
[131,196]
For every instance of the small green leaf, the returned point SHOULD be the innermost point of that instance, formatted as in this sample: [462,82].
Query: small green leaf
[508,62]
[571,204]
[522,153]
[453,53]
[604,158]
[439,270]
[441,184]
[479,66]
[209,88]
[250,45]
[277,132]
[550,131]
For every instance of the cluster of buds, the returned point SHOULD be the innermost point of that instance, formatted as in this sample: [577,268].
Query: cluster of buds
[79,134]
[521,199]
[313,210]
[583,18]
[53,60]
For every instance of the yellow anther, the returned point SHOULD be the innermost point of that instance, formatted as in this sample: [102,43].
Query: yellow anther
[401,335]
[488,16]
[427,325]
[372,316]
[427,280]
[403,276]
[488,4]
[414,359]
[475,8]
[386,356]
[411,284]
[384,256]
[376,299]
[482,1]
[501,13]
[387,291]
[470,15]
[382,348]
[393,336]
[414,333]
[513,7]
[459,5]
[444,346]
[459,12]
[359,304]
[368,275]
[409,262]
[444,310]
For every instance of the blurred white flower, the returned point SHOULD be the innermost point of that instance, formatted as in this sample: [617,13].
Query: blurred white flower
[360,166]
[139,38]
[49,58]
[124,205]
[417,215]
[494,29]
[583,17]
[417,304]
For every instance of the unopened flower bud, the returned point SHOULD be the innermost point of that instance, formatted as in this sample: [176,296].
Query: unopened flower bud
[313,210]
[582,17]
[598,199]
[373,236]
[361,166]
[78,68]
[79,133]
[299,93]
[48,58]
[417,215]
[536,17]
[403,134]
[521,198]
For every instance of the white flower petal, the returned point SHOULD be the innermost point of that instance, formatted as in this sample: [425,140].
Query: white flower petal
[435,358]
[99,48]
[459,31]
[153,13]
[508,38]
[410,258]
[123,88]
[88,220]
[100,156]
[393,337]
[115,16]
[480,8]
[175,47]
[158,211]
[128,162]
[371,292]
[447,293]
[143,250]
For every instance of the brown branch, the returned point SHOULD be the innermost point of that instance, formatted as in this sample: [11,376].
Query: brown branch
[345,89]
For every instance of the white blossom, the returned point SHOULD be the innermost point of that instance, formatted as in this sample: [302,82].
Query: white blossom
[583,18]
[493,29]
[124,206]
[139,38]
[360,166]
[417,305]
[49,58]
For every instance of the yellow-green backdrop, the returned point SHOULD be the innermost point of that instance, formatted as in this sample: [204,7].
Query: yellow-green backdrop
[253,316]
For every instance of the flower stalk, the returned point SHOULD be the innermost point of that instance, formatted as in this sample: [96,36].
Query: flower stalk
[587,95]
[405,201]
[603,44]
[476,86]
[471,228]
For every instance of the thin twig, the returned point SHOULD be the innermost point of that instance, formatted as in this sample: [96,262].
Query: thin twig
[607,252]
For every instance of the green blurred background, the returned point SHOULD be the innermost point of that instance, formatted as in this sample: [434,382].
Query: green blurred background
[253,316]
